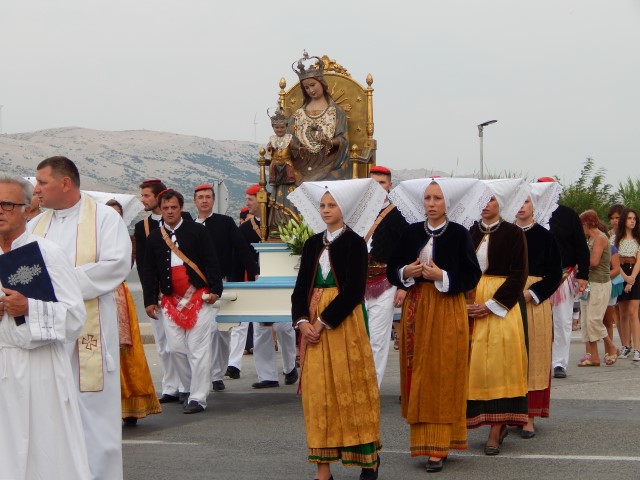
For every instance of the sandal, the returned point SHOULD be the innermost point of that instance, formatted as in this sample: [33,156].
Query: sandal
[610,359]
[587,356]
[588,363]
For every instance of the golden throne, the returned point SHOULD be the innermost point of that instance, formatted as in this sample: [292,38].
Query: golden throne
[357,102]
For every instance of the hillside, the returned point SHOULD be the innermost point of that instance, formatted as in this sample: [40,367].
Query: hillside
[118,161]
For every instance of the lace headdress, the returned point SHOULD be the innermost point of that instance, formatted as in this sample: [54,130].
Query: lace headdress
[544,197]
[511,194]
[360,201]
[464,197]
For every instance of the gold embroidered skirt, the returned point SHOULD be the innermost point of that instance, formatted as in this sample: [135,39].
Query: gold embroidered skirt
[138,395]
[433,375]
[498,364]
[340,396]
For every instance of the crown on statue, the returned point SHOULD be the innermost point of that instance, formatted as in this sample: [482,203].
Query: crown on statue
[277,116]
[307,67]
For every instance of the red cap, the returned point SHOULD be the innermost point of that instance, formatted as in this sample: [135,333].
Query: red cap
[244,209]
[152,180]
[380,169]
[164,191]
[253,189]
[546,179]
[203,187]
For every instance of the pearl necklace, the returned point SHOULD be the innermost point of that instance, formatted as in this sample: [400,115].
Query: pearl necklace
[430,232]
[526,228]
[326,242]
[490,229]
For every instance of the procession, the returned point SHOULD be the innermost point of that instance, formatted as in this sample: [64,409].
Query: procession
[468,286]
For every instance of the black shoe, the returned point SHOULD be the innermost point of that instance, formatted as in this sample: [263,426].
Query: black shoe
[370,473]
[193,407]
[266,384]
[434,466]
[291,377]
[218,385]
[130,421]
[184,398]
[232,372]
[527,434]
[166,398]
[491,450]
[559,372]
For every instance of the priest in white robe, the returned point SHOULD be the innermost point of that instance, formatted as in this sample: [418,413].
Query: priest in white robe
[97,242]
[41,434]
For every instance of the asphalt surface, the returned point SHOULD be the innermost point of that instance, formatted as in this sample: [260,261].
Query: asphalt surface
[247,434]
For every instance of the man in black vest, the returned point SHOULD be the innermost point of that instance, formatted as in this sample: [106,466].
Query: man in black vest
[149,190]
[380,296]
[181,264]
[264,354]
[228,243]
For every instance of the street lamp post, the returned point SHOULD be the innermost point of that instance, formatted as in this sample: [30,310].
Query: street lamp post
[481,135]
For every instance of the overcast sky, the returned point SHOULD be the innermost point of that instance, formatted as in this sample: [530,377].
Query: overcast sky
[562,77]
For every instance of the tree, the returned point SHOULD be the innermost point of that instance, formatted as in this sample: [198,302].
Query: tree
[629,193]
[591,191]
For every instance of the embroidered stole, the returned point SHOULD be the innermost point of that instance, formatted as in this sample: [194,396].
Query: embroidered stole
[90,340]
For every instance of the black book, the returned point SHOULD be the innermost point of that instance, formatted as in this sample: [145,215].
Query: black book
[23,270]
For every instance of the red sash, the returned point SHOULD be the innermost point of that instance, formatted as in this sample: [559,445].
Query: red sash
[183,305]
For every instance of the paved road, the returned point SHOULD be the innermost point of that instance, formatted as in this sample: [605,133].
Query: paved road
[594,433]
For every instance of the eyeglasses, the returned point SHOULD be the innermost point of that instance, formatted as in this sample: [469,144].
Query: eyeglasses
[8,206]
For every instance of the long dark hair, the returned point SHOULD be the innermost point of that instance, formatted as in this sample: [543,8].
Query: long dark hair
[622,226]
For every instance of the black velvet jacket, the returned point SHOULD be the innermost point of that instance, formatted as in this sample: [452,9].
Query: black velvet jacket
[249,236]
[386,236]
[567,230]
[348,257]
[141,240]
[194,241]
[544,261]
[453,252]
[506,257]
[230,244]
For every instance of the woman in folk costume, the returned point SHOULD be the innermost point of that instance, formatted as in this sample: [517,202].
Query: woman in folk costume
[545,275]
[340,396]
[137,392]
[320,143]
[436,261]
[498,366]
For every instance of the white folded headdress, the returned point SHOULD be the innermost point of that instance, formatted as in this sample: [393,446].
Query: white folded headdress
[545,196]
[464,197]
[360,201]
[510,193]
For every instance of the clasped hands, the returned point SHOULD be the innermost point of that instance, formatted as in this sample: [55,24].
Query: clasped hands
[428,270]
[13,303]
[311,333]
[477,311]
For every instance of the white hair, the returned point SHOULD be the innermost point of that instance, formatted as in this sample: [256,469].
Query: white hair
[25,185]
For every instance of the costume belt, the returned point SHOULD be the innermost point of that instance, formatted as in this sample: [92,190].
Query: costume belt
[185,302]
[377,281]
[628,260]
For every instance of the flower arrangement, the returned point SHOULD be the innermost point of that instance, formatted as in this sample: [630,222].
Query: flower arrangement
[295,234]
